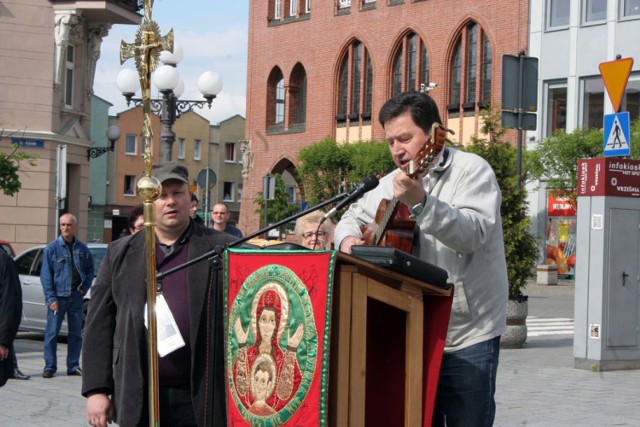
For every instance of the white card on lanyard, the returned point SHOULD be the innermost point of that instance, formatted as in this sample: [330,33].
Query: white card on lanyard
[169,337]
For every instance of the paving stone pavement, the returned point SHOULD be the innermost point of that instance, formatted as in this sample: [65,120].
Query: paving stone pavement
[536,386]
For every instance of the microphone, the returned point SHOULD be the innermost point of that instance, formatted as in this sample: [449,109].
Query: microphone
[367,184]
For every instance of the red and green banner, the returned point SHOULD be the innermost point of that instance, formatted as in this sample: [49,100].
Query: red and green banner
[278,306]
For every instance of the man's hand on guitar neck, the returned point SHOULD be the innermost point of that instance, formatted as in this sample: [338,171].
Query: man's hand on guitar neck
[407,189]
[348,242]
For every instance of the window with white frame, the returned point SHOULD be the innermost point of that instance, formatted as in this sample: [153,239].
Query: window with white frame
[69,76]
[196,149]
[277,5]
[556,107]
[592,102]
[275,99]
[130,143]
[630,8]
[307,6]
[239,192]
[230,152]
[594,11]
[227,191]
[129,185]
[558,13]
[293,7]
[344,3]
[181,148]
[280,102]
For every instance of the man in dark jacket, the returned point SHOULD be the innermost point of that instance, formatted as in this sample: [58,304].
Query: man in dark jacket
[10,313]
[191,378]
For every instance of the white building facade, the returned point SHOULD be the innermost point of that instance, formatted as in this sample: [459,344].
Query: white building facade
[571,38]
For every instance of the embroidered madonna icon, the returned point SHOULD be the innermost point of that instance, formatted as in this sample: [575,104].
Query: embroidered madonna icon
[273,346]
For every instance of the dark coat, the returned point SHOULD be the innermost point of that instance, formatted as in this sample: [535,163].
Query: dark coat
[10,310]
[114,356]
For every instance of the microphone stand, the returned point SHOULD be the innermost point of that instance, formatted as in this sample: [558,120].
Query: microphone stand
[217,251]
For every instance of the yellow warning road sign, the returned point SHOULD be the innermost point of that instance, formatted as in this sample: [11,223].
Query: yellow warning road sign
[615,75]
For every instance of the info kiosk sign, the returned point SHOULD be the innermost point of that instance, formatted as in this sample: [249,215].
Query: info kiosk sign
[607,286]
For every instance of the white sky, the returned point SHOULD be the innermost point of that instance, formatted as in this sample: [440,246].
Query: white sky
[213,35]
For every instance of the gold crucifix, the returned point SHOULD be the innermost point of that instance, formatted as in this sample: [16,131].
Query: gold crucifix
[146,53]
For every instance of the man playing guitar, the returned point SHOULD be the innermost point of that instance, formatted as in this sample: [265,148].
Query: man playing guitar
[454,198]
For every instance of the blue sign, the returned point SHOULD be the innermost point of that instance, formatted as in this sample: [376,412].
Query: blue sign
[616,135]
[28,142]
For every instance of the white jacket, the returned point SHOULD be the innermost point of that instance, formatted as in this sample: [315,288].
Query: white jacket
[461,231]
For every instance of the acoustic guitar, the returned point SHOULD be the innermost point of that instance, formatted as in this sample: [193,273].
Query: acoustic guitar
[392,226]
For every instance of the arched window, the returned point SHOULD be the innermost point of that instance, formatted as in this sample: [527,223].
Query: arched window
[280,102]
[355,85]
[471,70]
[410,64]
[487,69]
[298,96]
[275,98]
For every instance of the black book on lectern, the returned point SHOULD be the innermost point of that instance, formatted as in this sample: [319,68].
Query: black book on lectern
[402,262]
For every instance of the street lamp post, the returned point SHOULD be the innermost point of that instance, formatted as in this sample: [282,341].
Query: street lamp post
[167,79]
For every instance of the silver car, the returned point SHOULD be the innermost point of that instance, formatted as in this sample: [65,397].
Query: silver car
[34,311]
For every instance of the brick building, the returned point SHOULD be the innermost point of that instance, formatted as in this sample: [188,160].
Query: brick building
[327,71]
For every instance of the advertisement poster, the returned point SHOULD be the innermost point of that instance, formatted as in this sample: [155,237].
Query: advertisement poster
[561,236]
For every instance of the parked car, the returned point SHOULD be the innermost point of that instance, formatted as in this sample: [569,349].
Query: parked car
[34,311]
[7,247]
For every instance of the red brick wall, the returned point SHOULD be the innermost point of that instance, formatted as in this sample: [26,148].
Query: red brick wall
[317,45]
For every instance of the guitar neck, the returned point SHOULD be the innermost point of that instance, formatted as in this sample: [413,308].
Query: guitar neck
[389,213]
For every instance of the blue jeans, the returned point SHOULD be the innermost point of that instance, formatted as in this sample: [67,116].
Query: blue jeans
[71,307]
[467,386]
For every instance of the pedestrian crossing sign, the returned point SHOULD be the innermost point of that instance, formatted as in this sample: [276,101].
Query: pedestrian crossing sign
[616,135]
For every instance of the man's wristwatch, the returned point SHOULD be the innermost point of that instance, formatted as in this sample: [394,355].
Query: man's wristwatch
[417,209]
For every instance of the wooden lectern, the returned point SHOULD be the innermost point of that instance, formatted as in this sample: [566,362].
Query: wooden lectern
[387,339]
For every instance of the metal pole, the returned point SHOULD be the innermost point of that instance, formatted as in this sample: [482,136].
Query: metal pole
[520,113]
[167,118]
[207,215]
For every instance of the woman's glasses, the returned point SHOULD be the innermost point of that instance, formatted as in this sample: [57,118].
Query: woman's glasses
[310,234]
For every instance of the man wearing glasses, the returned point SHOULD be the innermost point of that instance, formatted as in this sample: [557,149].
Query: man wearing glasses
[220,217]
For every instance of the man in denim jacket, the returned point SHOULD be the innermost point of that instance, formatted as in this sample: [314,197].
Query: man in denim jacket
[65,279]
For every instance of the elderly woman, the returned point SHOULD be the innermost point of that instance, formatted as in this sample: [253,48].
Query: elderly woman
[309,235]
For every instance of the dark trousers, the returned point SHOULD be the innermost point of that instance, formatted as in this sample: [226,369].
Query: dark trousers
[176,407]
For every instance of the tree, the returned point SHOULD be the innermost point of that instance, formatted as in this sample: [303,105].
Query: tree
[279,207]
[519,243]
[328,168]
[9,166]
[322,167]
